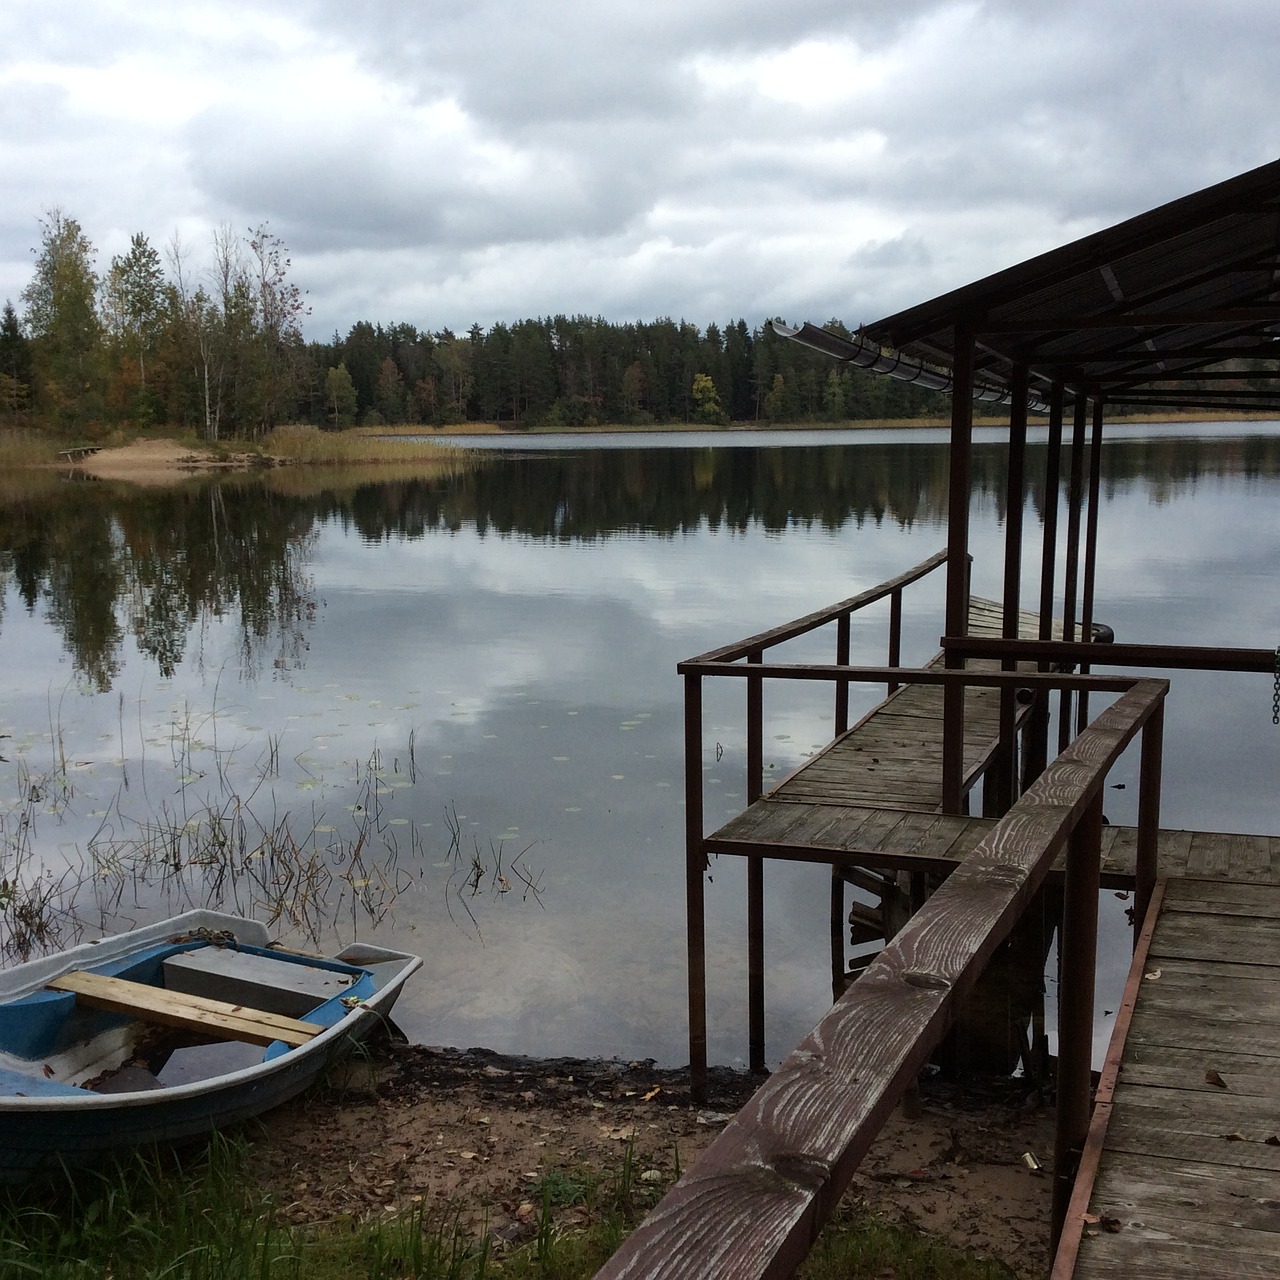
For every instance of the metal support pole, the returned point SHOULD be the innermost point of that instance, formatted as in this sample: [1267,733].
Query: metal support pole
[1037,734]
[837,933]
[1090,553]
[755,872]
[1149,770]
[755,728]
[957,615]
[842,660]
[895,634]
[695,899]
[1075,1003]
[1071,570]
[1001,782]
[755,963]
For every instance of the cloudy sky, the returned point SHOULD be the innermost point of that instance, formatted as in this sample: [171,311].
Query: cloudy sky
[444,163]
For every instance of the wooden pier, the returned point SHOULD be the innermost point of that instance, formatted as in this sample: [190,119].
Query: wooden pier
[1181,1171]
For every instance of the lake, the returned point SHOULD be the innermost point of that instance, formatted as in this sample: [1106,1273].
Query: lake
[445,714]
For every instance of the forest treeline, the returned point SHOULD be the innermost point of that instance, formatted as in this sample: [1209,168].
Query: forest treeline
[153,340]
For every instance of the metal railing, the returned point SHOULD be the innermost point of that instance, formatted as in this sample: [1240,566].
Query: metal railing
[729,660]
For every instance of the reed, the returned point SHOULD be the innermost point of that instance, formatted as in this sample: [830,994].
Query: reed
[306,444]
[208,832]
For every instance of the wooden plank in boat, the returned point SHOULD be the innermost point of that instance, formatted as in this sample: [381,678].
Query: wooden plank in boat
[193,1013]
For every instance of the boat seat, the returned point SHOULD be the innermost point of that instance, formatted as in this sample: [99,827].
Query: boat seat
[18,1084]
[215,1018]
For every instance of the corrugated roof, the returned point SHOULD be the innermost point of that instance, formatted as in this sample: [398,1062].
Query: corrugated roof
[1171,308]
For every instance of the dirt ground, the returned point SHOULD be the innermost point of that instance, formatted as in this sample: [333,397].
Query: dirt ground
[475,1133]
[150,462]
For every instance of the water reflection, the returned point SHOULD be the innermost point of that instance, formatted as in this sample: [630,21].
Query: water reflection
[514,630]
[162,564]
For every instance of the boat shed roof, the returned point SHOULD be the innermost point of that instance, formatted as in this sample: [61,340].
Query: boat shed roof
[1157,311]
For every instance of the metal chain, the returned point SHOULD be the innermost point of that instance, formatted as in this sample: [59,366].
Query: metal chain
[1275,691]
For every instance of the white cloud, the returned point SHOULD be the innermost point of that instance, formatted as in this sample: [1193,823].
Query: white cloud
[449,164]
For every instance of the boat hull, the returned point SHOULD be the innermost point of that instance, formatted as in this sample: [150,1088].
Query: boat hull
[71,1126]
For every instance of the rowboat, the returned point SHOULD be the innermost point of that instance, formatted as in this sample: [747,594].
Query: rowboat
[170,1031]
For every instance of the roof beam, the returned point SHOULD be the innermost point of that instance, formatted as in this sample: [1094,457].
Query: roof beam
[1134,320]
[1069,359]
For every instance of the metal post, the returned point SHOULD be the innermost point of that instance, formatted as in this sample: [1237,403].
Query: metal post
[1071,569]
[1090,554]
[957,618]
[695,899]
[755,963]
[1003,773]
[1037,735]
[837,933]
[1075,1003]
[755,728]
[842,660]
[755,872]
[1149,770]
[895,634]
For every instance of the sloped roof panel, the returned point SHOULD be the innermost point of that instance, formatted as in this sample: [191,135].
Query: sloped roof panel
[1156,300]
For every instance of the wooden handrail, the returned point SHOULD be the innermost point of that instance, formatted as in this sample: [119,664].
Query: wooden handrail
[753,1203]
[799,626]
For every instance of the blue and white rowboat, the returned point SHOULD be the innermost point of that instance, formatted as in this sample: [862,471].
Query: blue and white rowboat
[170,1031]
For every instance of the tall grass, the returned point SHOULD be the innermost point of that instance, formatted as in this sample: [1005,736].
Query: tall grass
[305,444]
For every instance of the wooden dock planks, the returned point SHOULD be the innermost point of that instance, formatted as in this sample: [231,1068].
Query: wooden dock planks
[906,839]
[1188,1176]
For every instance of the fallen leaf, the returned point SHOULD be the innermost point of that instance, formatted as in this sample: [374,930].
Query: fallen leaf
[653,1093]
[1152,976]
[1212,1077]
[1235,1137]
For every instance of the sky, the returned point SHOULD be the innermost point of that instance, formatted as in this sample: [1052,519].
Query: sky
[445,164]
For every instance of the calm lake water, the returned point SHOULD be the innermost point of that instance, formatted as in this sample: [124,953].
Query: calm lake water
[471,685]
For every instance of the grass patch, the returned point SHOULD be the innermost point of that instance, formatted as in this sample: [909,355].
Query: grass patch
[304,444]
[158,1215]
[28,449]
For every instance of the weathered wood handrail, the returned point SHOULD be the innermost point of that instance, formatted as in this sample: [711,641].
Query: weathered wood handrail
[740,649]
[754,1202]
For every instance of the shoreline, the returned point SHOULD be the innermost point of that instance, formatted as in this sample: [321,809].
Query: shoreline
[160,460]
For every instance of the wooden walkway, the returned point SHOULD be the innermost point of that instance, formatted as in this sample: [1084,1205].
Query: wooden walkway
[873,796]
[897,839]
[893,756]
[1181,1173]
